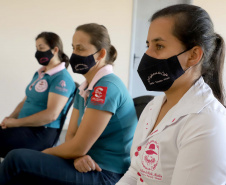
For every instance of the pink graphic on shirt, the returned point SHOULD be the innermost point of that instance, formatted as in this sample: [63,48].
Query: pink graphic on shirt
[150,156]
[63,83]
[41,86]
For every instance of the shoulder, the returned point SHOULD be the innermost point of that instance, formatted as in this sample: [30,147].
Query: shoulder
[111,81]
[208,123]
[63,75]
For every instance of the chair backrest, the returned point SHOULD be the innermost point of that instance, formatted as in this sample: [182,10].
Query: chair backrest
[140,103]
[62,121]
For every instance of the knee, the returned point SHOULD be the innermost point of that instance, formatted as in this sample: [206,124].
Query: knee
[17,156]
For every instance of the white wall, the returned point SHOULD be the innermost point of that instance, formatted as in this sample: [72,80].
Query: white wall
[216,10]
[22,20]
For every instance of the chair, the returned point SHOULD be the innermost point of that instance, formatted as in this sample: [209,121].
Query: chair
[62,121]
[140,103]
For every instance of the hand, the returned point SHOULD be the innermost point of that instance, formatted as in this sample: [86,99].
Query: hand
[86,164]
[8,122]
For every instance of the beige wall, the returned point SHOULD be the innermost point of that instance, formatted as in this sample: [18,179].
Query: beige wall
[216,10]
[22,20]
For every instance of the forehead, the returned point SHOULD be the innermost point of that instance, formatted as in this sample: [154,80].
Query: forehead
[161,28]
[81,37]
[40,41]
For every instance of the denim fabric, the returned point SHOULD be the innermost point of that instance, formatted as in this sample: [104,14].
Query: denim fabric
[24,166]
[35,138]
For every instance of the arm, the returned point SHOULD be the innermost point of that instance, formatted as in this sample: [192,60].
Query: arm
[92,125]
[73,125]
[16,112]
[55,105]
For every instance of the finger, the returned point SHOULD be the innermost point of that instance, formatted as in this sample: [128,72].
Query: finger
[97,167]
[86,166]
[83,169]
[77,167]
[91,164]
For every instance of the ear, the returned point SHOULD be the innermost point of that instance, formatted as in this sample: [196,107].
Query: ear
[195,56]
[102,54]
[55,50]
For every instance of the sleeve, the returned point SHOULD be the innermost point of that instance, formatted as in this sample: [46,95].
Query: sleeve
[202,151]
[105,96]
[62,85]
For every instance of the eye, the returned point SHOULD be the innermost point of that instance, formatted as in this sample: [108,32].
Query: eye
[159,46]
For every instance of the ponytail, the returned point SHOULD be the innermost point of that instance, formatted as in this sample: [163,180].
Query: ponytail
[112,55]
[64,58]
[213,73]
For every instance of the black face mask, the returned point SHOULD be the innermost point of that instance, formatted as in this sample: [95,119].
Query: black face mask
[81,64]
[159,74]
[44,57]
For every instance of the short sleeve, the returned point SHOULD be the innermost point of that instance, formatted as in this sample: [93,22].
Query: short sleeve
[105,96]
[62,85]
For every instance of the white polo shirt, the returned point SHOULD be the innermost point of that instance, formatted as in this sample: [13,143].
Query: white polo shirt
[188,147]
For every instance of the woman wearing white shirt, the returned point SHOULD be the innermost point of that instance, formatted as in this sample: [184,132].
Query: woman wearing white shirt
[181,136]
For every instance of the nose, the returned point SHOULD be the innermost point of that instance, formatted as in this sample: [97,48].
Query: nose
[150,52]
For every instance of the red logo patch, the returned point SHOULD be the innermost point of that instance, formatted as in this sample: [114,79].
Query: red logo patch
[99,95]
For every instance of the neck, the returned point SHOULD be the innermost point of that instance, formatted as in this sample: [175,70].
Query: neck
[52,64]
[178,89]
[93,71]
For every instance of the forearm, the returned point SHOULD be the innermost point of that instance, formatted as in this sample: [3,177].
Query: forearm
[67,150]
[39,119]
[16,112]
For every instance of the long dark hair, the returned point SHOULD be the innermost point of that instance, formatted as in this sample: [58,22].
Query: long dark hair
[53,40]
[100,39]
[193,27]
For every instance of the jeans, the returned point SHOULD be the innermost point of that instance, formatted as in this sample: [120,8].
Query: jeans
[25,166]
[35,138]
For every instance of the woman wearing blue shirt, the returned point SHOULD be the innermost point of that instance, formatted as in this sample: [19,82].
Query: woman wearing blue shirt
[101,128]
[34,122]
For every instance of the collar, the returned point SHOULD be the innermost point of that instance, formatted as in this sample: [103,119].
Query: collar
[200,93]
[52,71]
[108,69]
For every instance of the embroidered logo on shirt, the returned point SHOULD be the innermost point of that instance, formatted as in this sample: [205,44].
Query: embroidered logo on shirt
[150,156]
[41,86]
[62,84]
[99,95]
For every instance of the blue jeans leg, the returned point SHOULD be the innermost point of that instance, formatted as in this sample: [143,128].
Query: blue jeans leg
[25,166]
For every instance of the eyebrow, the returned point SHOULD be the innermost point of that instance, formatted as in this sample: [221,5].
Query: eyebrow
[156,40]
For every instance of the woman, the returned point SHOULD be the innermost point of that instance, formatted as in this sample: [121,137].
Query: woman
[35,121]
[101,128]
[180,137]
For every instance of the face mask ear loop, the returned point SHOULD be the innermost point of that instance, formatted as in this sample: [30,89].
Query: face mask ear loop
[96,51]
[184,51]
